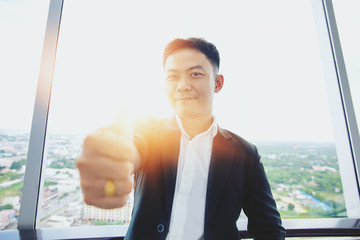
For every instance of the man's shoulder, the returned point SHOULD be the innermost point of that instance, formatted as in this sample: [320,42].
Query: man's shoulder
[148,126]
[240,144]
[153,122]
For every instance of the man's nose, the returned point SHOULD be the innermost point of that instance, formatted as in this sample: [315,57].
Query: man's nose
[183,85]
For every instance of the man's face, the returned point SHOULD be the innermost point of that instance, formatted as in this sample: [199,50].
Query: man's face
[190,83]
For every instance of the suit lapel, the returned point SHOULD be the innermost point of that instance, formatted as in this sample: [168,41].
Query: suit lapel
[221,161]
[170,147]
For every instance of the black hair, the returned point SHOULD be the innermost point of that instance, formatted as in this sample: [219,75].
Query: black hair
[200,44]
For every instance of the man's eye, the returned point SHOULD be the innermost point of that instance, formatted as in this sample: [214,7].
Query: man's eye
[171,77]
[196,74]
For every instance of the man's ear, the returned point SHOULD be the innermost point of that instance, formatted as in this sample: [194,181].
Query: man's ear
[219,82]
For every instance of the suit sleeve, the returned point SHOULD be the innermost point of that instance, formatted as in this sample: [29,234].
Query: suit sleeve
[142,132]
[263,218]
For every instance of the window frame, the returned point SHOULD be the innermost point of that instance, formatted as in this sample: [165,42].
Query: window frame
[344,87]
[341,106]
[33,173]
[345,127]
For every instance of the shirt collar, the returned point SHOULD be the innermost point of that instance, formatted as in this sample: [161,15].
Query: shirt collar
[212,131]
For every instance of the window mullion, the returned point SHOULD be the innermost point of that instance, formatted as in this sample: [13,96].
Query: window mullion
[32,179]
[343,85]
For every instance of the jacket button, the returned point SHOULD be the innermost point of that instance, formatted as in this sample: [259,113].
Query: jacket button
[160,228]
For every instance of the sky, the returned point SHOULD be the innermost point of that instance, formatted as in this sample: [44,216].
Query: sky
[110,54]
[22,29]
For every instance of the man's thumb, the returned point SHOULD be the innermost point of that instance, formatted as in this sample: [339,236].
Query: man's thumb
[122,122]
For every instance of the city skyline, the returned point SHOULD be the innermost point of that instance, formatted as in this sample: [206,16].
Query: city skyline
[304,178]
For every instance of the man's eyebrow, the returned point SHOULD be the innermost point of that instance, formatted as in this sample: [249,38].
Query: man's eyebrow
[172,71]
[197,67]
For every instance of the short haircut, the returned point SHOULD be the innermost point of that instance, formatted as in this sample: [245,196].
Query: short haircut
[200,44]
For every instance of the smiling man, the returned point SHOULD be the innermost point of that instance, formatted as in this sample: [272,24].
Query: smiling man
[192,178]
[191,82]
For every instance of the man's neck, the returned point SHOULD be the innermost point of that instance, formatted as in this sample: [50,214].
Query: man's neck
[195,126]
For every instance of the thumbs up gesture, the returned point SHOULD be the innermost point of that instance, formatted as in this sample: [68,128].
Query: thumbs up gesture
[107,163]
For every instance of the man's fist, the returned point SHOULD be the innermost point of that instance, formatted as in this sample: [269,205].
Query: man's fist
[108,153]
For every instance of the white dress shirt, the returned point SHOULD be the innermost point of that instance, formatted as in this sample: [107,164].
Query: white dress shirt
[188,209]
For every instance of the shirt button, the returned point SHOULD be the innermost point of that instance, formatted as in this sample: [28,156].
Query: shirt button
[160,228]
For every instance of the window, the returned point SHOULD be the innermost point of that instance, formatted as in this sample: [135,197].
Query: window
[275,95]
[273,80]
[22,25]
[348,27]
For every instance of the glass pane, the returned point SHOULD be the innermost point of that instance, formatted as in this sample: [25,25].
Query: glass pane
[22,25]
[348,23]
[274,94]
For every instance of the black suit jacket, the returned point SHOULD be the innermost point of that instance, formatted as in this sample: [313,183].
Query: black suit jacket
[236,181]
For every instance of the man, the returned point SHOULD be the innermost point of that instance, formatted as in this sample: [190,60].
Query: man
[192,178]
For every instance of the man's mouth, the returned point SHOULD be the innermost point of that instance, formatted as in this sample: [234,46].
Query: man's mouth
[183,98]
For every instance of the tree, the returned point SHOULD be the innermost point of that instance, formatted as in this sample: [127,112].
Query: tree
[6,206]
[15,165]
[291,206]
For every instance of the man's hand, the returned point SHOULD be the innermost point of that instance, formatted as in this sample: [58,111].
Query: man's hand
[108,153]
